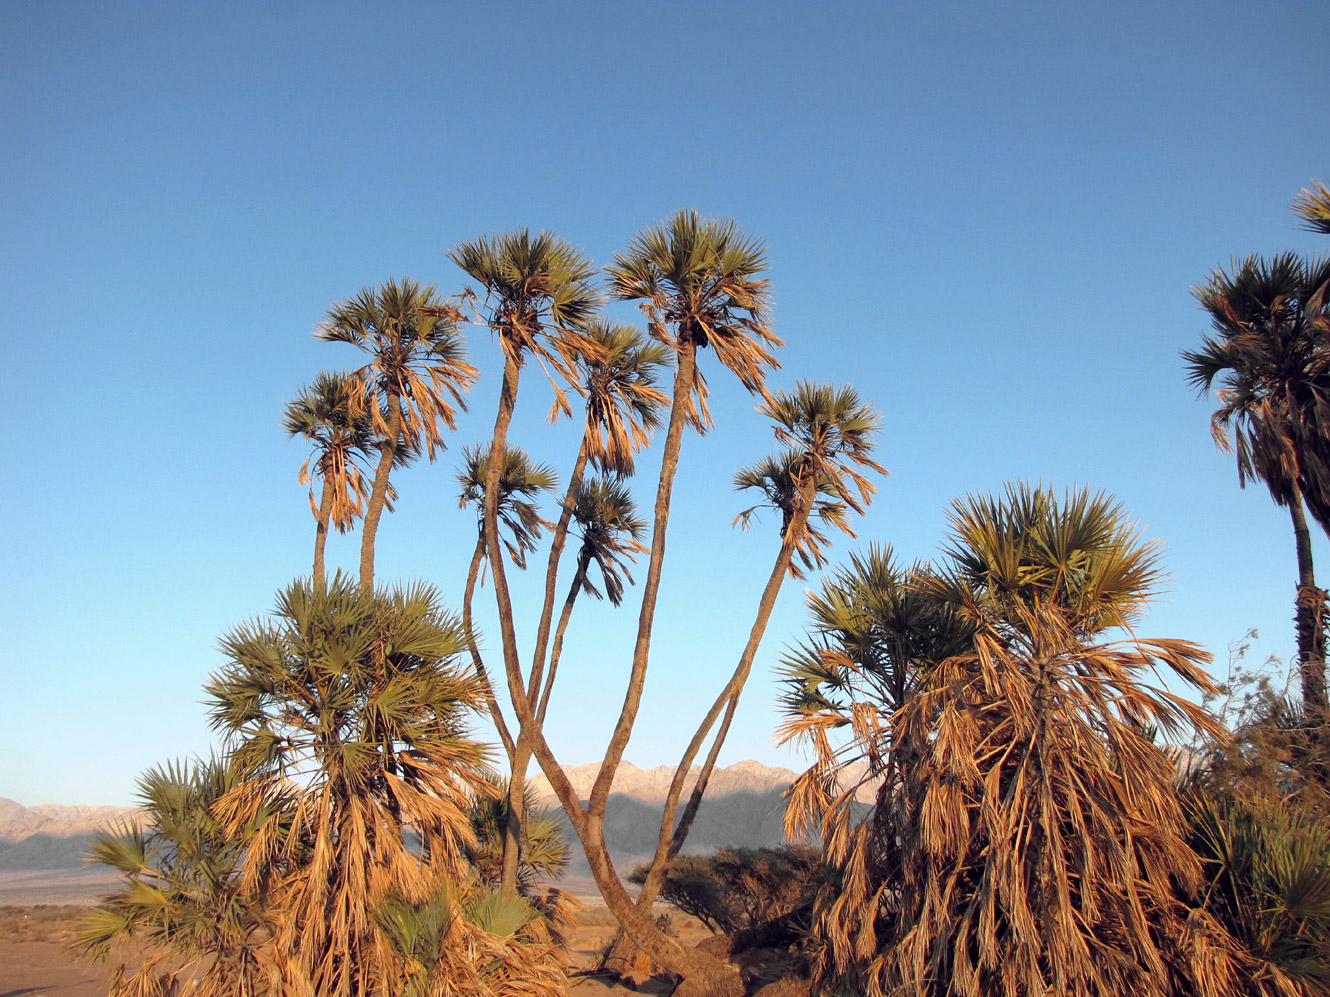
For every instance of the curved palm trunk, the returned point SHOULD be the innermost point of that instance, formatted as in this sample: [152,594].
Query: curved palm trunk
[477,662]
[1310,617]
[512,370]
[557,651]
[321,530]
[378,496]
[672,837]
[520,760]
[703,973]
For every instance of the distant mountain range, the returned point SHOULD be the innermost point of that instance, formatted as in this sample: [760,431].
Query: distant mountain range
[744,806]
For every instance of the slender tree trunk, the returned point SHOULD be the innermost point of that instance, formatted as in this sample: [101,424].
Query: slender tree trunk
[672,838]
[519,761]
[703,973]
[512,371]
[378,495]
[321,529]
[556,652]
[683,386]
[1310,618]
[477,662]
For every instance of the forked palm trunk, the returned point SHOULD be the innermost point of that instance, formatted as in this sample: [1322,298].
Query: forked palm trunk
[703,973]
[321,529]
[1310,619]
[672,837]
[520,760]
[378,496]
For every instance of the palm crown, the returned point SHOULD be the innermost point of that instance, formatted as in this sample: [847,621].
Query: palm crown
[520,479]
[539,296]
[1271,359]
[699,277]
[611,534]
[418,361]
[333,415]
[623,404]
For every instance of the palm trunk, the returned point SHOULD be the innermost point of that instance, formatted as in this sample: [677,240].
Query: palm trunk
[557,651]
[378,496]
[683,386]
[512,371]
[672,838]
[477,662]
[321,530]
[519,761]
[1310,618]
[703,973]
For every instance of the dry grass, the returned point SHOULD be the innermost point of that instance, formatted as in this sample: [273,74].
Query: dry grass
[42,923]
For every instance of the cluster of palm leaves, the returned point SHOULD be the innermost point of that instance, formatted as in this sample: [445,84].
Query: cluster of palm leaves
[335,849]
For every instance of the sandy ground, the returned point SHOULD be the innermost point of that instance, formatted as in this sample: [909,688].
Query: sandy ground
[35,958]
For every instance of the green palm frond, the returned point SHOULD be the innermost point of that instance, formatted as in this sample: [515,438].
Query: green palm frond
[520,479]
[539,299]
[418,357]
[1313,204]
[623,405]
[697,279]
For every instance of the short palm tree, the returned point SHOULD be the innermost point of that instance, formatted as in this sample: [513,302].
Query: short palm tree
[333,415]
[1267,880]
[416,374]
[1269,363]
[351,709]
[182,904]
[1030,840]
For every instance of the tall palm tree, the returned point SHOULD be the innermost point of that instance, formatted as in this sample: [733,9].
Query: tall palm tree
[418,363]
[539,300]
[831,434]
[333,415]
[354,708]
[1313,204]
[698,283]
[1031,839]
[1271,360]
[520,480]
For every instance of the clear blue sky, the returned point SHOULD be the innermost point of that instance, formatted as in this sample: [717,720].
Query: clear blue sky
[985,216]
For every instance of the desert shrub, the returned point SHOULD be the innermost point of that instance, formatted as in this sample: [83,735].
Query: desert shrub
[738,888]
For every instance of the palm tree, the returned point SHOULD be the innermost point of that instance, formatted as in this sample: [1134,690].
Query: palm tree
[353,708]
[611,532]
[1267,880]
[418,363]
[1028,838]
[831,435]
[1271,359]
[1314,206]
[181,904]
[697,281]
[333,415]
[539,300]
[520,479]
[623,407]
